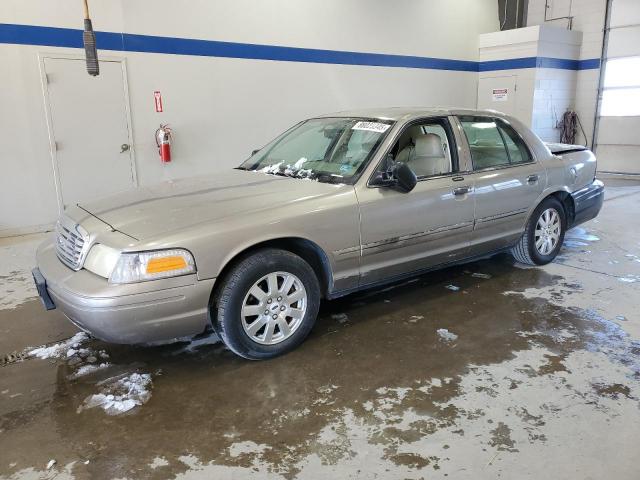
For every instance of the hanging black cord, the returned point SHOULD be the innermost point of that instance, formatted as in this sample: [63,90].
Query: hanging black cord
[584,134]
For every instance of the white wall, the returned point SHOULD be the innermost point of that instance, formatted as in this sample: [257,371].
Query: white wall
[543,94]
[617,146]
[221,108]
[588,18]
[510,44]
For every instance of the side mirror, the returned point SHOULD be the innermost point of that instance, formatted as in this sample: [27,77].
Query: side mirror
[255,151]
[405,179]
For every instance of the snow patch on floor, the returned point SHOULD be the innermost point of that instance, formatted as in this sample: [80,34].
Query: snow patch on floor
[158,462]
[446,336]
[629,279]
[87,369]
[246,447]
[57,472]
[64,349]
[120,394]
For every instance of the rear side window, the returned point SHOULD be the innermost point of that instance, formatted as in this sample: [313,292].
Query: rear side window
[517,150]
[493,143]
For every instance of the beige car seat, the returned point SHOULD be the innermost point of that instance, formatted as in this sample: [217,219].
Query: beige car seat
[426,156]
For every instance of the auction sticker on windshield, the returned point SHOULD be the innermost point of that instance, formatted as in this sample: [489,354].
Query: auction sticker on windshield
[371,126]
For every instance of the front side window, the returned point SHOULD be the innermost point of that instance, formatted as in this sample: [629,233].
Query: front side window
[425,148]
[493,143]
[326,149]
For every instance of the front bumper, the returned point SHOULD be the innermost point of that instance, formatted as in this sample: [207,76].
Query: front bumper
[134,313]
[588,202]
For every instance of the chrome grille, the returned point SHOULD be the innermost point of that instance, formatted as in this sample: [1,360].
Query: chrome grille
[71,243]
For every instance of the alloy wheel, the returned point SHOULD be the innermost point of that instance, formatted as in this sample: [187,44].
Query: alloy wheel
[547,233]
[273,308]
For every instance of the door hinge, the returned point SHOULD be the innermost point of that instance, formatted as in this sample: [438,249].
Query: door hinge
[47,79]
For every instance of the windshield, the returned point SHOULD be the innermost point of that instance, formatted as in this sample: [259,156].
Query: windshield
[326,149]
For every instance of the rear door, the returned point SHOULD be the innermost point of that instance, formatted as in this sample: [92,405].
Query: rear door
[431,225]
[507,181]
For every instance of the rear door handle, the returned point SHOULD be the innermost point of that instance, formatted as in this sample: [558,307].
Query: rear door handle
[461,190]
[533,178]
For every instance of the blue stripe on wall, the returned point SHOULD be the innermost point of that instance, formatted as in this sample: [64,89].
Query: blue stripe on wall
[539,62]
[511,64]
[589,64]
[128,42]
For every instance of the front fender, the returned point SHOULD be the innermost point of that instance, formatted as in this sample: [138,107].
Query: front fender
[330,223]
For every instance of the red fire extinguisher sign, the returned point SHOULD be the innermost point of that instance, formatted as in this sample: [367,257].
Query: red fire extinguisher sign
[158,100]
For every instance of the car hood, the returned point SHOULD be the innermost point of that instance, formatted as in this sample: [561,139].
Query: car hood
[149,211]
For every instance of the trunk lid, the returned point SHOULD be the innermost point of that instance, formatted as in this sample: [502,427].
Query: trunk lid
[561,148]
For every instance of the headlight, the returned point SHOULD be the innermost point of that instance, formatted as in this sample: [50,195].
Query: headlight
[101,260]
[144,266]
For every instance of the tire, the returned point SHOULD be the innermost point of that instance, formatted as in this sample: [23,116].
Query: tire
[247,295]
[528,249]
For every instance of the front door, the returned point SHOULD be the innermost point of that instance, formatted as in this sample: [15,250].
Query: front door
[90,131]
[432,224]
[506,178]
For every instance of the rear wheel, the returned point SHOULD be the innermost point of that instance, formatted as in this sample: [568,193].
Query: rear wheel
[544,234]
[267,304]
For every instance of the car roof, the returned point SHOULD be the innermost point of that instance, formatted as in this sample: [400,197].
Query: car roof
[408,113]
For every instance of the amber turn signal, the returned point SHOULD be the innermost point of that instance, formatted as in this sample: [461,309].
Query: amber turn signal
[165,264]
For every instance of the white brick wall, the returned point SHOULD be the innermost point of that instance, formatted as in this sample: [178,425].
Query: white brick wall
[543,94]
[588,18]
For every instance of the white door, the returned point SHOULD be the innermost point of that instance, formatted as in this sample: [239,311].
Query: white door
[498,93]
[90,127]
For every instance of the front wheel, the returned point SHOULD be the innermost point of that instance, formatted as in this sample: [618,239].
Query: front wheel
[267,304]
[543,235]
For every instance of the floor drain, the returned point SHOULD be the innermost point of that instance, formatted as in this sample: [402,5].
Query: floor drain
[14,357]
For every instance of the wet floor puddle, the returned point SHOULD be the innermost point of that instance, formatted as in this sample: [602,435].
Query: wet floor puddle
[375,375]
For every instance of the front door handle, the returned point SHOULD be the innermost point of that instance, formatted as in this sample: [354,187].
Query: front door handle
[461,190]
[532,178]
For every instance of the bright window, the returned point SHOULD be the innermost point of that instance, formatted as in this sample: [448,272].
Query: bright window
[621,92]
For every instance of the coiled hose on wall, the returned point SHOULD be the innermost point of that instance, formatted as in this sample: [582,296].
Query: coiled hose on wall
[569,128]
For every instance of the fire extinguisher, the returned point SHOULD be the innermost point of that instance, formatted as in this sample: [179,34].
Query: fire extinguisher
[163,140]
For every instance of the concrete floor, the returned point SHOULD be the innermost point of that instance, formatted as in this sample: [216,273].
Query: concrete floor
[542,381]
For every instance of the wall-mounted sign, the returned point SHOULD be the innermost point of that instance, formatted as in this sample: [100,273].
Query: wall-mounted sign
[158,100]
[500,94]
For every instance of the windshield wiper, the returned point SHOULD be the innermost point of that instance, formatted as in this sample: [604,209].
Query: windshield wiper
[326,177]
